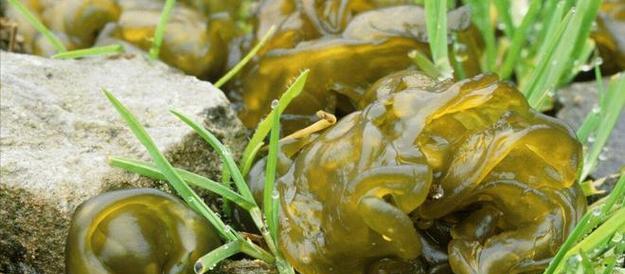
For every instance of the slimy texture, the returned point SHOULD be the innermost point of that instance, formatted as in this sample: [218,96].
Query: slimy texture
[195,40]
[139,231]
[462,175]
[347,45]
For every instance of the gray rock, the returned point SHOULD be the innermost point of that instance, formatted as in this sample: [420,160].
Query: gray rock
[57,130]
[578,100]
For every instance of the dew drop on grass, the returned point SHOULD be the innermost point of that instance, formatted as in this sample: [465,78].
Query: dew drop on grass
[197,267]
[591,138]
[596,212]
[275,194]
[274,104]
[596,109]
[618,237]
[227,229]
[603,157]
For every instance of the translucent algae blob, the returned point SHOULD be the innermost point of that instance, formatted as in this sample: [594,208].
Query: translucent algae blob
[347,45]
[464,174]
[139,231]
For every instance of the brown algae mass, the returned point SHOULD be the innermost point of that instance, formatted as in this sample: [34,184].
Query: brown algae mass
[139,231]
[195,40]
[347,45]
[465,174]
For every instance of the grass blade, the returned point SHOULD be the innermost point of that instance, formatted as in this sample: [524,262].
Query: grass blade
[264,126]
[245,59]
[436,23]
[481,18]
[159,32]
[514,52]
[150,170]
[210,260]
[587,222]
[424,63]
[105,50]
[222,151]
[270,175]
[503,11]
[557,61]
[591,122]
[610,107]
[168,171]
[40,27]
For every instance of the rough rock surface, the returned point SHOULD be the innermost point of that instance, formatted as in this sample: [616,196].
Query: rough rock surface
[57,130]
[578,100]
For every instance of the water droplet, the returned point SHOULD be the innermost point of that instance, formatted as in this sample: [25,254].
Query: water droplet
[597,61]
[197,267]
[591,138]
[386,238]
[227,229]
[306,259]
[603,157]
[618,236]
[596,212]
[439,192]
[275,194]
[596,109]
[274,104]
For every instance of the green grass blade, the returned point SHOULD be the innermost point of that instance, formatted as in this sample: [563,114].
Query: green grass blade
[168,171]
[150,170]
[424,64]
[602,234]
[551,14]
[436,23]
[503,11]
[609,110]
[554,65]
[457,61]
[159,32]
[538,77]
[222,151]
[583,32]
[592,120]
[587,222]
[105,50]
[481,18]
[264,126]
[248,161]
[209,261]
[245,59]
[40,27]
[270,174]
[520,35]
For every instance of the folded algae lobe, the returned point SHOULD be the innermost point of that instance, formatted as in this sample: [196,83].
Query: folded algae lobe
[347,45]
[137,231]
[431,176]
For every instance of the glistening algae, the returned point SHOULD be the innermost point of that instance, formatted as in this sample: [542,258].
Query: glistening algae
[465,174]
[139,231]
